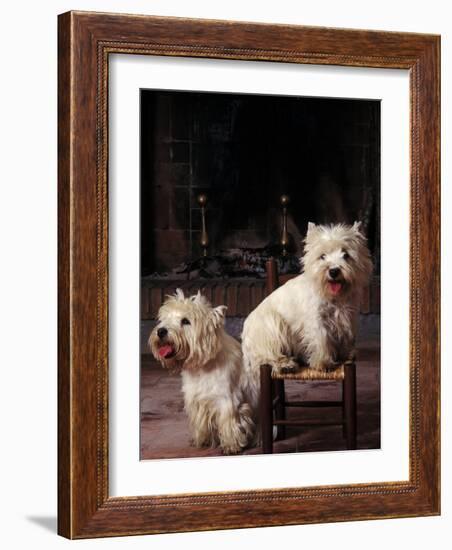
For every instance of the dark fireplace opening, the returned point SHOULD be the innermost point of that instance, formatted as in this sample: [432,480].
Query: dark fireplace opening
[243,153]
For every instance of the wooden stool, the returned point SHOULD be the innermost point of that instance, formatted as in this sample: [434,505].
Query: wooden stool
[273,398]
[273,402]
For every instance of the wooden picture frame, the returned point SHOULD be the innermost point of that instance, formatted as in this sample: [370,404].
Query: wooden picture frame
[85,42]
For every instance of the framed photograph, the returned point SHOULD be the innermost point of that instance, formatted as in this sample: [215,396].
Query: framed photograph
[248,275]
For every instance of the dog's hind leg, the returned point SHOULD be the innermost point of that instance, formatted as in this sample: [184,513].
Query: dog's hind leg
[234,428]
[266,340]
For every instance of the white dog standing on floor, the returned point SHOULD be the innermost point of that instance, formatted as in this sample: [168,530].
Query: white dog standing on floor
[312,319]
[190,337]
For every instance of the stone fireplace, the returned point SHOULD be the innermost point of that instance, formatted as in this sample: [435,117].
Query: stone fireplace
[243,152]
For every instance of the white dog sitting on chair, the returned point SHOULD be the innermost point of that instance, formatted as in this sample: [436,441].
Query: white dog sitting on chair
[312,319]
[190,337]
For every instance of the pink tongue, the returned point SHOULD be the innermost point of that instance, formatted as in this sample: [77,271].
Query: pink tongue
[164,351]
[335,288]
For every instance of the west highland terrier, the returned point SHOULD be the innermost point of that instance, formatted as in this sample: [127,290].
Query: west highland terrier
[312,319]
[190,337]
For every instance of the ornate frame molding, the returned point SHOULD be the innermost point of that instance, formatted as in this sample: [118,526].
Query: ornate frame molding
[85,42]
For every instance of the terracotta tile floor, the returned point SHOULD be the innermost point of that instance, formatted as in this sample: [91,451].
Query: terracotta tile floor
[164,428]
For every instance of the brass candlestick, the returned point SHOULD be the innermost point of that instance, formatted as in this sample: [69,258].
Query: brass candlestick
[204,241]
[284,201]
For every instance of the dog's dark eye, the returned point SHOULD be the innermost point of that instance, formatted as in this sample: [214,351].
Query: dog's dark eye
[185,321]
[322,257]
[346,255]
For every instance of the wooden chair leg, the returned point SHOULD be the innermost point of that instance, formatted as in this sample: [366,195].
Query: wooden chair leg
[266,406]
[280,409]
[349,404]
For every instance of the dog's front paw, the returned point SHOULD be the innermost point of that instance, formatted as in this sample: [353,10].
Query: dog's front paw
[324,367]
[233,444]
[285,366]
[331,367]
[200,442]
[231,449]
[288,369]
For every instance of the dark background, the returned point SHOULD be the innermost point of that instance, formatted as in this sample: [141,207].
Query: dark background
[244,151]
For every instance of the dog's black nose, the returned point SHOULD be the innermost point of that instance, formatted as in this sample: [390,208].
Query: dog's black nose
[162,332]
[334,272]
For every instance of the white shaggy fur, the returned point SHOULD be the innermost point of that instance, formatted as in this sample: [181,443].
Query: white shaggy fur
[210,361]
[312,319]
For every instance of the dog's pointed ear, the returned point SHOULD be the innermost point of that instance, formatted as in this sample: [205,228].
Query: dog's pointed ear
[220,310]
[219,314]
[357,227]
[199,298]
[179,294]
[311,227]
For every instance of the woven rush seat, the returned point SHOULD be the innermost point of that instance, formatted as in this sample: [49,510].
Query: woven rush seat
[307,373]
